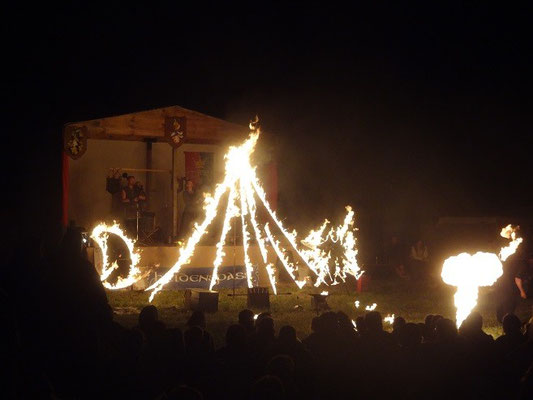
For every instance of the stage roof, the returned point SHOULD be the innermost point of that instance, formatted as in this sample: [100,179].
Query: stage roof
[157,125]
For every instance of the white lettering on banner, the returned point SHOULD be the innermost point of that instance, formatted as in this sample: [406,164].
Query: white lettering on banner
[184,278]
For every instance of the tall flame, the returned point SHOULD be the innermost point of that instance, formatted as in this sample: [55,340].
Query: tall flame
[243,185]
[468,272]
[509,232]
[100,234]
[344,237]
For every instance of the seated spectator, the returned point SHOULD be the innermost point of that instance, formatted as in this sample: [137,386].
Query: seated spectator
[234,360]
[282,367]
[262,342]
[374,335]
[428,334]
[288,344]
[419,260]
[512,337]
[149,323]
[397,326]
[246,319]
[471,329]
[360,325]
[347,332]
[197,319]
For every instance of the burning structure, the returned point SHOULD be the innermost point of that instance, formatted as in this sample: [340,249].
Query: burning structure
[244,194]
[331,255]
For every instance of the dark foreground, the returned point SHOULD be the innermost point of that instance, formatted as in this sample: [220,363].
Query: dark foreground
[62,342]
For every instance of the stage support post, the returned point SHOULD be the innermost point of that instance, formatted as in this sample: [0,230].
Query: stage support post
[173,189]
[148,180]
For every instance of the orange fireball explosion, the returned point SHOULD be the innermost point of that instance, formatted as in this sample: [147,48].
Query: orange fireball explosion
[468,272]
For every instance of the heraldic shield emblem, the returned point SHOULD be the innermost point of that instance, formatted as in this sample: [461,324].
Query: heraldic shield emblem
[176,130]
[75,141]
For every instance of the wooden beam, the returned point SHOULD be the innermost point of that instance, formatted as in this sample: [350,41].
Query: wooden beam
[142,170]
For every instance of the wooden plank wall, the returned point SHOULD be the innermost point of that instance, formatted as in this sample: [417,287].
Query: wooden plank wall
[201,128]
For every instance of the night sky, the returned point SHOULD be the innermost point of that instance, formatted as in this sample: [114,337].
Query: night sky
[401,110]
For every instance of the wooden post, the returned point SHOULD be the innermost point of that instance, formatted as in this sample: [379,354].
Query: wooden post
[173,189]
[148,173]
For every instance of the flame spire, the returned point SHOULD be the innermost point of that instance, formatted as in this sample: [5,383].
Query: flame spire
[243,185]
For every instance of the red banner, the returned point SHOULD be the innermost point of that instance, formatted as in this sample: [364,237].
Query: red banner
[199,168]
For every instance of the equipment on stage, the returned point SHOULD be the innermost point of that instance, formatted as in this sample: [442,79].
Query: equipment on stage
[319,302]
[258,297]
[141,224]
[201,300]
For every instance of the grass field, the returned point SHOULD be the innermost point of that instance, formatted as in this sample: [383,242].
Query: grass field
[411,300]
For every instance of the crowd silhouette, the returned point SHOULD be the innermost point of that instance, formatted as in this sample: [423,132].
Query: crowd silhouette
[67,346]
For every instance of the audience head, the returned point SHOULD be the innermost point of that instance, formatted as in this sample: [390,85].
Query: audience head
[410,336]
[246,318]
[398,323]
[287,334]
[235,336]
[344,321]
[373,322]
[265,326]
[262,315]
[511,324]
[472,323]
[193,337]
[197,318]
[445,330]
[148,317]
[329,322]
[360,324]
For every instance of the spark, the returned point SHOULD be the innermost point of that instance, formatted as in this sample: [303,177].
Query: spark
[371,308]
[389,319]
[356,303]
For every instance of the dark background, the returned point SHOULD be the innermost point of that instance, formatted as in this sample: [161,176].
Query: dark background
[406,111]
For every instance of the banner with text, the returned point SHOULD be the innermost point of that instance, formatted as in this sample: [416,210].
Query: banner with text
[200,278]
